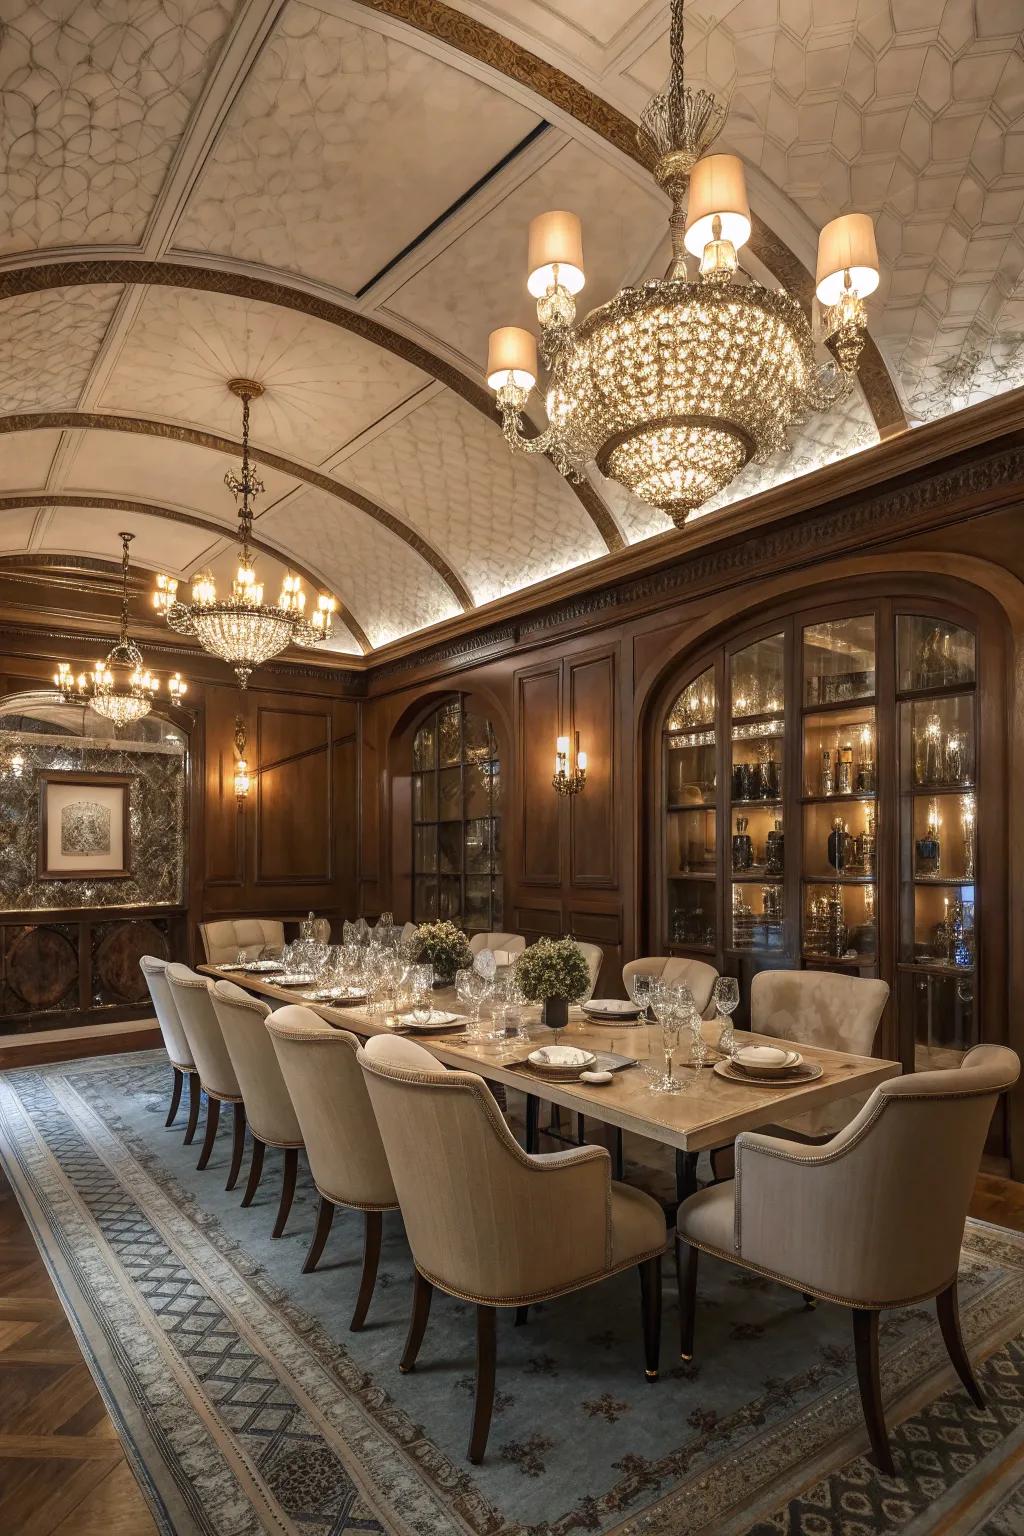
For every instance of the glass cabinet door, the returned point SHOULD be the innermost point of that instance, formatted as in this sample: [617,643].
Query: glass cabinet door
[757,700]
[691,834]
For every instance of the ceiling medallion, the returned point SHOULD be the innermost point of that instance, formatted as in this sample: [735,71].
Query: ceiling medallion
[124,699]
[240,628]
[673,386]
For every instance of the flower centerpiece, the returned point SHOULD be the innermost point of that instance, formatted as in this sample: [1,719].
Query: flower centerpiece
[553,972]
[446,948]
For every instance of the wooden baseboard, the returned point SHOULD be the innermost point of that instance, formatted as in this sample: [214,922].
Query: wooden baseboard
[37,1053]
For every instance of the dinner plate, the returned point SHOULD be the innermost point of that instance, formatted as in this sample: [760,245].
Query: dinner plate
[293,979]
[259,965]
[561,1058]
[336,996]
[613,1009]
[806,1072]
[438,1020]
[754,1069]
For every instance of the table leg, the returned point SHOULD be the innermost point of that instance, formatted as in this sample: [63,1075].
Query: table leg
[532,1121]
[686,1174]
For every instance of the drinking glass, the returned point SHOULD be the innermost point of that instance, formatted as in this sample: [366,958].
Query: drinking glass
[656,1005]
[241,958]
[671,1020]
[640,986]
[726,996]
[420,981]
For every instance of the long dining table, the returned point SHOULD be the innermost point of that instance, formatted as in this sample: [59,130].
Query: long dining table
[709,1111]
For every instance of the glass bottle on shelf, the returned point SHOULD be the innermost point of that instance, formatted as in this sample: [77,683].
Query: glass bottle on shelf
[866,777]
[742,846]
[775,850]
[967,829]
[828,778]
[865,844]
[838,845]
[928,849]
[844,769]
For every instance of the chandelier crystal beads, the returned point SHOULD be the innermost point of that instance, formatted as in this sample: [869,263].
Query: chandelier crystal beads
[120,687]
[240,628]
[674,385]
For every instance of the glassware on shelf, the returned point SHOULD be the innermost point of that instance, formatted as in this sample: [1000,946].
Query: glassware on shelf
[756,678]
[839,753]
[726,998]
[695,706]
[933,653]
[839,660]
[928,848]
[753,929]
[942,741]
[825,930]
[865,775]
[840,845]
[692,914]
[967,825]
[742,846]
[775,850]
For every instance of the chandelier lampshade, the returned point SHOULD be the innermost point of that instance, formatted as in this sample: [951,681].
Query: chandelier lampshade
[674,385]
[121,687]
[240,628]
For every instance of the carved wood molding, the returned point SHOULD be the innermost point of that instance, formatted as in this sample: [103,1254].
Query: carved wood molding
[25,566]
[469,36]
[37,277]
[932,501]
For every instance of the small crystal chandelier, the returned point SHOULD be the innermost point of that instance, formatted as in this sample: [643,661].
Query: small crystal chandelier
[240,629]
[124,700]
[674,386]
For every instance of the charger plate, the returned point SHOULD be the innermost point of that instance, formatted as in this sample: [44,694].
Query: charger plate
[807,1072]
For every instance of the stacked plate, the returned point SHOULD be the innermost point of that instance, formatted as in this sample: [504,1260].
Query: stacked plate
[768,1064]
[611,1010]
[565,1061]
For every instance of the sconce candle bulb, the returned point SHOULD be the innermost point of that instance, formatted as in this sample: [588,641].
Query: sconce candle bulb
[569,780]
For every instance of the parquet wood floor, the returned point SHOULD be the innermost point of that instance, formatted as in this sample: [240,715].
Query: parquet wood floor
[62,1469]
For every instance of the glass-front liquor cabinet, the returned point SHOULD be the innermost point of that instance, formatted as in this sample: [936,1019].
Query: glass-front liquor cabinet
[818,808]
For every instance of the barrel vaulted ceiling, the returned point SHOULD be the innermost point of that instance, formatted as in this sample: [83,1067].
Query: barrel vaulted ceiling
[333,198]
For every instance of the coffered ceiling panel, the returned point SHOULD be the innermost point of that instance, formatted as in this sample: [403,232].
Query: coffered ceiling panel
[48,344]
[16,524]
[94,96]
[389,588]
[158,543]
[164,471]
[502,521]
[25,459]
[331,161]
[323,385]
[479,280]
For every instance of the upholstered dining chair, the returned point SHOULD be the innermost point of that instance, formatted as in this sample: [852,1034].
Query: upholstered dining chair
[409,932]
[873,1219]
[593,954]
[223,940]
[269,1114]
[343,1146]
[175,1044]
[698,976]
[191,995]
[491,1224]
[513,943]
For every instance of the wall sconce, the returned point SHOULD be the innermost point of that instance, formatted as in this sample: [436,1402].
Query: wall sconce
[241,765]
[569,781]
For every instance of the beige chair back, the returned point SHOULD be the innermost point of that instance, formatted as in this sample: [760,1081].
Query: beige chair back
[223,940]
[698,976]
[514,943]
[409,932]
[484,1220]
[593,954]
[840,1013]
[877,1215]
[343,1146]
[268,1107]
[154,970]
[191,996]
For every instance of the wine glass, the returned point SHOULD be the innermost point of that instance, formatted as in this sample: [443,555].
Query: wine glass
[726,995]
[639,985]
[420,981]
[241,958]
[670,1014]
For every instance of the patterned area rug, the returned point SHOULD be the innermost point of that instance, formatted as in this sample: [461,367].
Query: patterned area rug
[247,1406]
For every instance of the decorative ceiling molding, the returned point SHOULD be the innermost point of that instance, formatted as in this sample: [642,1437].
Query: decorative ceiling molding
[173,432]
[36,277]
[168,514]
[469,36]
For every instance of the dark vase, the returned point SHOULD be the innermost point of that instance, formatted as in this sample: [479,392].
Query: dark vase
[555,1012]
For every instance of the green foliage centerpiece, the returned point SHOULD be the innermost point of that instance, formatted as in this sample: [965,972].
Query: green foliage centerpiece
[446,948]
[553,972]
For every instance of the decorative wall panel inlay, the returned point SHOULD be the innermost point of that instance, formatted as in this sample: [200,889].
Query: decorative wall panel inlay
[156,816]
[40,968]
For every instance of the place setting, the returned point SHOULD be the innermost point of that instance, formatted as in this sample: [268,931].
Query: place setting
[768,1066]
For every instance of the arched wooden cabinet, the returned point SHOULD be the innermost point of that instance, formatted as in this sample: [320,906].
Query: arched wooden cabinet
[829,792]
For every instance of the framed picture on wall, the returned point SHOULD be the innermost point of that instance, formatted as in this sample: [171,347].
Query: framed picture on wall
[83,826]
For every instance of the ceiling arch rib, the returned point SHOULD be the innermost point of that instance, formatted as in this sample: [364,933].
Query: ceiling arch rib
[173,432]
[315,578]
[38,277]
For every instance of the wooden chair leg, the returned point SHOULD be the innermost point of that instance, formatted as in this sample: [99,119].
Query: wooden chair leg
[810,1302]
[687,1259]
[212,1121]
[371,1256]
[179,1081]
[255,1170]
[865,1338]
[237,1145]
[195,1094]
[324,1219]
[723,1163]
[422,1291]
[486,1357]
[949,1322]
[291,1168]
[650,1302]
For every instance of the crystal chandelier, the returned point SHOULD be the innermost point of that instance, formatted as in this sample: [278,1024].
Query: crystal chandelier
[122,699]
[240,629]
[676,384]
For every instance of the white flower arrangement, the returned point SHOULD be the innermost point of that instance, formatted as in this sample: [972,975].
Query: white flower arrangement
[446,948]
[553,968]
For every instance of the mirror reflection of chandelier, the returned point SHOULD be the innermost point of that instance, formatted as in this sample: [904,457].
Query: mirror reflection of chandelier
[119,687]
[240,628]
[673,386]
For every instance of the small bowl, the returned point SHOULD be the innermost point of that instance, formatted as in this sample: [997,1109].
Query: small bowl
[762,1056]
